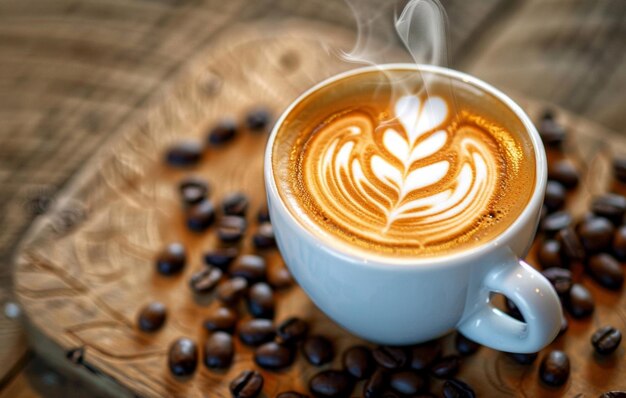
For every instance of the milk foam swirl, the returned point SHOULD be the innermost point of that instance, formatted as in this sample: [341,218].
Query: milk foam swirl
[418,178]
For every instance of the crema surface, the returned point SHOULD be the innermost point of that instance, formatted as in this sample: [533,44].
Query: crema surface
[389,167]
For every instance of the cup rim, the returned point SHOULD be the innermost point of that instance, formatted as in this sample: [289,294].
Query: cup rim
[342,249]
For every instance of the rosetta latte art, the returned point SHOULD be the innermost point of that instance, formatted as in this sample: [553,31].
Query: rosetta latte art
[416,180]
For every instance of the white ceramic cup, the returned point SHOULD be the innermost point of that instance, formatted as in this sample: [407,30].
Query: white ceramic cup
[401,301]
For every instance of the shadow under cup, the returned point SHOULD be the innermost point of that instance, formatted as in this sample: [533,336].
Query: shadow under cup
[395,294]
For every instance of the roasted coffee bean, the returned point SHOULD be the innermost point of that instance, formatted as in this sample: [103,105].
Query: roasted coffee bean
[261,301]
[152,317]
[408,382]
[331,384]
[273,355]
[446,367]
[279,277]
[455,388]
[256,331]
[291,394]
[258,119]
[564,172]
[619,168]
[222,319]
[390,357]
[554,198]
[549,254]
[223,132]
[606,340]
[552,133]
[465,346]
[376,384]
[607,271]
[318,350]
[231,291]
[423,355]
[205,280]
[248,384]
[512,310]
[555,222]
[264,237]
[263,215]
[564,325]
[292,330]
[358,361]
[560,278]
[193,190]
[250,267]
[184,153]
[613,394]
[200,216]
[579,302]
[596,234]
[571,247]
[554,368]
[219,350]
[231,229]
[523,359]
[221,257]
[235,204]
[619,243]
[611,206]
[183,357]
[172,259]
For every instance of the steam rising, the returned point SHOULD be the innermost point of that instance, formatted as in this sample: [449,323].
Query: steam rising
[422,29]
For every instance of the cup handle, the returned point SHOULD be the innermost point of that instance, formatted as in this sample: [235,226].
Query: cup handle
[533,295]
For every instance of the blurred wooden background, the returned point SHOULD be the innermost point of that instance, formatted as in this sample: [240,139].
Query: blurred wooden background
[72,72]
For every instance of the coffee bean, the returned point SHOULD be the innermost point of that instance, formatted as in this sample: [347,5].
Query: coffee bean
[390,357]
[552,133]
[223,132]
[579,302]
[200,216]
[232,290]
[264,237]
[256,331]
[204,281]
[184,153]
[331,384]
[446,367]
[613,394]
[596,234]
[261,301]
[554,368]
[279,277]
[549,254]
[235,204]
[318,350]
[375,385]
[423,355]
[291,394]
[619,168]
[606,271]
[619,243]
[555,222]
[263,215]
[231,229]
[564,172]
[222,319]
[606,340]
[512,310]
[219,350]
[554,198]
[183,357]
[455,388]
[248,384]
[221,257]
[172,259]
[358,361]
[611,206]
[465,346]
[272,355]
[152,317]
[564,326]
[408,382]
[571,248]
[560,278]
[292,330]
[523,359]
[193,190]
[258,119]
[250,267]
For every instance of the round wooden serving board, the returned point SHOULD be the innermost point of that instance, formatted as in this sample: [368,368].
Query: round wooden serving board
[87,266]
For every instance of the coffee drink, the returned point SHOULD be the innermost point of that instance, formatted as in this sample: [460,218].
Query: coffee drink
[404,163]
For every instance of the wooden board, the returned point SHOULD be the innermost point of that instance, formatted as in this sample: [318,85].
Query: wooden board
[87,266]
